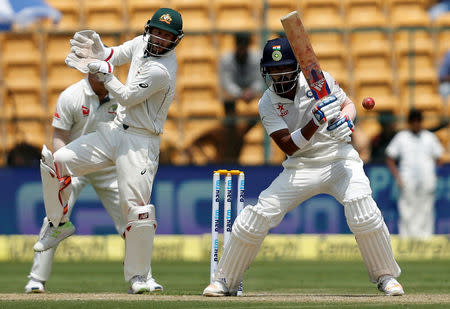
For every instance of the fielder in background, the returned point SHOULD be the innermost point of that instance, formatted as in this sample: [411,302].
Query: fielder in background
[315,136]
[417,151]
[239,80]
[131,142]
[79,110]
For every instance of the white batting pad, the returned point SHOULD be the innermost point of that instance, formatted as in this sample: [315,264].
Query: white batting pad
[249,231]
[50,188]
[139,235]
[365,221]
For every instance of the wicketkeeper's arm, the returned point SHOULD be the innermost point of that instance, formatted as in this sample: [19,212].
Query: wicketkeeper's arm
[150,80]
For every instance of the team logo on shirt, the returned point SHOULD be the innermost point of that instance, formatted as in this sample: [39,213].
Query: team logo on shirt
[280,108]
[165,18]
[143,85]
[56,115]
[309,94]
[85,110]
[112,109]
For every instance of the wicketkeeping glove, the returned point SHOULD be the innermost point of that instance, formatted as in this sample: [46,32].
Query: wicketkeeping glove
[100,66]
[102,69]
[325,110]
[81,64]
[341,128]
[87,44]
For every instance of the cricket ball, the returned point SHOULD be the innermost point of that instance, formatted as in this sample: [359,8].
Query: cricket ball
[368,103]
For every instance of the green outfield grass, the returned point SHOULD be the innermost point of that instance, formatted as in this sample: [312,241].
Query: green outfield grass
[284,285]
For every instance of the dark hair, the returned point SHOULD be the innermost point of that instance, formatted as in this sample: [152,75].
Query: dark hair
[415,115]
[24,155]
[242,38]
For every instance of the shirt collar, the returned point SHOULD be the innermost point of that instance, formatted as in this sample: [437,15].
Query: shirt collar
[105,99]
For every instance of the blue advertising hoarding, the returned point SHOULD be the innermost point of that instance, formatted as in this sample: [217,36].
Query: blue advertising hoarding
[182,195]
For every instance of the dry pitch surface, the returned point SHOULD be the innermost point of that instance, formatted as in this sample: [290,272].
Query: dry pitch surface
[250,297]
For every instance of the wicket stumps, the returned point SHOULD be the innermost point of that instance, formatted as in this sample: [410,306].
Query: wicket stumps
[227,213]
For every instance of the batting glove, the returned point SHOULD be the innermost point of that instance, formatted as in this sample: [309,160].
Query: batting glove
[325,110]
[341,128]
[87,44]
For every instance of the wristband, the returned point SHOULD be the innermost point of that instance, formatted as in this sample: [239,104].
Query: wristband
[298,138]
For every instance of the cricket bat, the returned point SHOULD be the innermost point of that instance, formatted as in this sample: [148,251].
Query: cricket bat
[306,57]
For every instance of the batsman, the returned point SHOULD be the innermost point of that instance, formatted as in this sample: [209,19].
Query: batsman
[315,136]
[131,142]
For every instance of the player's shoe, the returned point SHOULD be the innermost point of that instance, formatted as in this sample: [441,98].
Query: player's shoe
[390,286]
[216,289]
[154,286]
[35,286]
[53,235]
[138,285]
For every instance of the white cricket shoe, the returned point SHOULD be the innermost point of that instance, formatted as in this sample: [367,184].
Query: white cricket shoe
[216,289]
[35,286]
[390,286]
[154,286]
[53,235]
[138,285]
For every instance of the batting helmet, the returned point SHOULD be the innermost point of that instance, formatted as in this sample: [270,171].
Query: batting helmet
[278,53]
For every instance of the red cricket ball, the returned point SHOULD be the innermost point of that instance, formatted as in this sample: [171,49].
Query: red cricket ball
[368,103]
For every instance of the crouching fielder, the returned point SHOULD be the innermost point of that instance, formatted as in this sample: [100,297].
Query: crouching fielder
[315,136]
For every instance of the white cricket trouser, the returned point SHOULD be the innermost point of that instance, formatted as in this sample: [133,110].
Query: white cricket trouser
[416,209]
[134,153]
[104,183]
[344,179]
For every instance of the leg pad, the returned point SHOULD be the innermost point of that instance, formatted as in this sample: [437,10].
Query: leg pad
[139,235]
[372,235]
[249,230]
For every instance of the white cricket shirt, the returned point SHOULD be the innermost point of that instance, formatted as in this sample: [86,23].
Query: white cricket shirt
[280,113]
[150,87]
[79,111]
[417,153]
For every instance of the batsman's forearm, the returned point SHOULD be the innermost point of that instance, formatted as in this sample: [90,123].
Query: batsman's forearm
[309,129]
[349,109]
